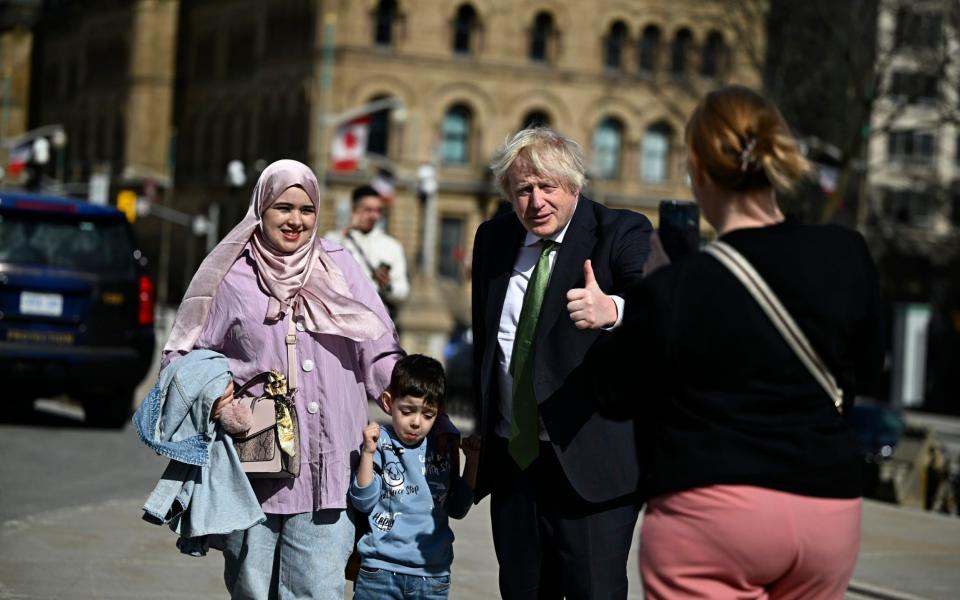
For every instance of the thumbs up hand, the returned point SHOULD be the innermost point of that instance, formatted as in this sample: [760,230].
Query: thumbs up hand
[588,306]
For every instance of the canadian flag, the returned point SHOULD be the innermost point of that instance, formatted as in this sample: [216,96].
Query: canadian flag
[19,157]
[350,143]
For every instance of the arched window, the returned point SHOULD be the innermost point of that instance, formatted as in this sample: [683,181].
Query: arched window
[655,153]
[679,54]
[607,139]
[613,50]
[649,49]
[535,118]
[463,29]
[378,138]
[714,55]
[455,135]
[384,16]
[541,37]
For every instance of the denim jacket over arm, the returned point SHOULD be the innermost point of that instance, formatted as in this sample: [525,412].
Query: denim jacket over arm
[203,489]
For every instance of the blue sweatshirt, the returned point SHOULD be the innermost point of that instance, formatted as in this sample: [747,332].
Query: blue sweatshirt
[409,499]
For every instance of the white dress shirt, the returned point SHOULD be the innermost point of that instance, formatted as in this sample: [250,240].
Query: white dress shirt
[523,268]
[379,248]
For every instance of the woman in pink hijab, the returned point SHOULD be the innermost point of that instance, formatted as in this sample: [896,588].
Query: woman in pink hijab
[270,269]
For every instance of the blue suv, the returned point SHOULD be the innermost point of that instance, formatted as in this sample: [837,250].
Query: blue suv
[76,305]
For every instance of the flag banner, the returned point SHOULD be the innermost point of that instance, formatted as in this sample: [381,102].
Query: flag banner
[19,157]
[383,183]
[827,176]
[350,144]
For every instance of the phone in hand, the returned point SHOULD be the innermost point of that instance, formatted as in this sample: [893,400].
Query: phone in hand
[679,228]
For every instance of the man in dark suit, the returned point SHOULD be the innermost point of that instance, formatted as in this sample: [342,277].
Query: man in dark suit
[548,280]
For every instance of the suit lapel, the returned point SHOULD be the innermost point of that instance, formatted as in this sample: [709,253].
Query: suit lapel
[500,270]
[567,272]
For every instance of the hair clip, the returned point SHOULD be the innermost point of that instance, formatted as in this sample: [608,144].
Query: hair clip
[747,153]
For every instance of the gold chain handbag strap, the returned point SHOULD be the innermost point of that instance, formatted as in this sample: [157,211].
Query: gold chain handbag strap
[774,309]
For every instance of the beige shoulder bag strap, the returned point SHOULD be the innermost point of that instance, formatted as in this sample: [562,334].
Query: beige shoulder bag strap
[771,305]
[291,356]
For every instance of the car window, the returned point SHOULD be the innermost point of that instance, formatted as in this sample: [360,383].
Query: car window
[66,242]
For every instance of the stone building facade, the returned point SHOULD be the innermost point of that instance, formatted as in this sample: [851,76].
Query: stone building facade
[913,161]
[168,92]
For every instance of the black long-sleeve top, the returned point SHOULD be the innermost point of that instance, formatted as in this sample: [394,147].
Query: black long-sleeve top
[718,395]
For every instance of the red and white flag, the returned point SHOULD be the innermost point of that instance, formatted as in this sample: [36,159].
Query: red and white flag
[350,144]
[19,157]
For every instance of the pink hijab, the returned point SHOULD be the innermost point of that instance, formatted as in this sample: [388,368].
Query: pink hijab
[306,281]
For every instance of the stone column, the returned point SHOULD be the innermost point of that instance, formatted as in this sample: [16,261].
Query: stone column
[153,51]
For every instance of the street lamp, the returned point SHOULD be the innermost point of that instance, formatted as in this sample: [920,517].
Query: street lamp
[235,179]
[427,190]
[59,141]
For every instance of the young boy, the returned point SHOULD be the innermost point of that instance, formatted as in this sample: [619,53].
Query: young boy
[409,489]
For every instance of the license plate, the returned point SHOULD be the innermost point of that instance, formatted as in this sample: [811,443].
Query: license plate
[47,305]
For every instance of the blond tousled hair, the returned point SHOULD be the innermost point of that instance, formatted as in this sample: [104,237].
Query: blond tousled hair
[548,152]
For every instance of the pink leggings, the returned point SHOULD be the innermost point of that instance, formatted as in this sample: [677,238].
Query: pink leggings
[737,542]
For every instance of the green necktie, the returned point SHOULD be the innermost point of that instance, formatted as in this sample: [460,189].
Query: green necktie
[524,442]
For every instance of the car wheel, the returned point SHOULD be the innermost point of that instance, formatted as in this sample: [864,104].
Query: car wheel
[111,411]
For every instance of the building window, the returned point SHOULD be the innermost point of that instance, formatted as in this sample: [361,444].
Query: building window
[107,63]
[649,49]
[464,27]
[384,17]
[240,52]
[921,30]
[541,37]
[455,135]
[613,48]
[655,153]
[203,57]
[714,55]
[910,146]
[607,140]
[909,207]
[680,53]
[378,138]
[451,257]
[914,87]
[535,118]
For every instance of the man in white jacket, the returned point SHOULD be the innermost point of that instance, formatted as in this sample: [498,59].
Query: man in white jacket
[380,255]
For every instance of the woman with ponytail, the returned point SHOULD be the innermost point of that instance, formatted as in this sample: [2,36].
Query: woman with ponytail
[751,472]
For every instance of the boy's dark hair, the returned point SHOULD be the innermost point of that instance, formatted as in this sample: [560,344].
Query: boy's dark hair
[363,191]
[420,376]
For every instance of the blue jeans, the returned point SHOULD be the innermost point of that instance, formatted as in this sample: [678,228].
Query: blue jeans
[380,584]
[289,557]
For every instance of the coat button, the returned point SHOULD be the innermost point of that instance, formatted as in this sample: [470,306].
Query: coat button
[307,365]
[300,326]
[312,408]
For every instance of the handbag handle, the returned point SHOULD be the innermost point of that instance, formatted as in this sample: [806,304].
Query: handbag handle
[777,313]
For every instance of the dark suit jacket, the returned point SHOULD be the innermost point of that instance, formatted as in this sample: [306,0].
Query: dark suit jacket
[598,455]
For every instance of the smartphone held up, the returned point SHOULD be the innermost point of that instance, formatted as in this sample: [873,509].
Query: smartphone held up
[679,228]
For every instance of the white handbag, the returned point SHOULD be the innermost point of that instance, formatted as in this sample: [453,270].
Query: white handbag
[270,448]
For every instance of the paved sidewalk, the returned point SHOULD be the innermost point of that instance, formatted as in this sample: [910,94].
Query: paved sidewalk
[105,552]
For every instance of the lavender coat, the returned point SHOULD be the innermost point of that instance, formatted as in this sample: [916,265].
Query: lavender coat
[335,376]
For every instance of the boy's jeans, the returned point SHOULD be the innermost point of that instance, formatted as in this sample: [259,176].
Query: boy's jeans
[290,556]
[380,584]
